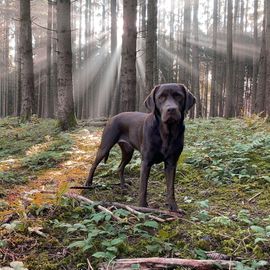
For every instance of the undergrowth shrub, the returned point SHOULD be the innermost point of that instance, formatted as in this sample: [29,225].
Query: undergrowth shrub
[238,153]
[17,137]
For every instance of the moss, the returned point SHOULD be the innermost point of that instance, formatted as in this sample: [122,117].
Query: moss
[69,123]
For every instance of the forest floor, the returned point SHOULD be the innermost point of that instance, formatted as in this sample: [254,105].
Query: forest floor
[222,185]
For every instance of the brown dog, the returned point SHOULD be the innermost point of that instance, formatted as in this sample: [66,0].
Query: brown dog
[159,136]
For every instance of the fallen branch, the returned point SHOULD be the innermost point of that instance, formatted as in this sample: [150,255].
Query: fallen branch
[101,208]
[145,209]
[131,208]
[161,263]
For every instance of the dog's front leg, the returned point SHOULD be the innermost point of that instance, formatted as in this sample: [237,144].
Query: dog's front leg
[170,168]
[145,170]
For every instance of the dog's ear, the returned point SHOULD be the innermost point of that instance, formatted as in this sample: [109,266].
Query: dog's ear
[190,99]
[150,102]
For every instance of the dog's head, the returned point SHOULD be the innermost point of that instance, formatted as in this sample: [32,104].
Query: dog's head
[171,101]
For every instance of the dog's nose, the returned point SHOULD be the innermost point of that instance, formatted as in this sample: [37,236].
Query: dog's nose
[171,109]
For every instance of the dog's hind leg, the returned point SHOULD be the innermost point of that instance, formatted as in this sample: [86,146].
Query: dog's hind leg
[110,137]
[127,152]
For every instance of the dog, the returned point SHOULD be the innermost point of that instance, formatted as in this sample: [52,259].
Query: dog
[158,136]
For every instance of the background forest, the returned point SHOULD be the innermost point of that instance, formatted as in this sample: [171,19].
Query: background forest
[219,49]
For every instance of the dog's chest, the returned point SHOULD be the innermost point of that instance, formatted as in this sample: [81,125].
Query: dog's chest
[166,149]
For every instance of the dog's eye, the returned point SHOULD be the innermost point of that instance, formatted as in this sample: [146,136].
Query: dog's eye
[162,97]
[177,95]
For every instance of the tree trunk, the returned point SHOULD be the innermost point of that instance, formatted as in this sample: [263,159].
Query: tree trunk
[213,97]
[49,96]
[65,114]
[114,89]
[171,77]
[267,40]
[27,78]
[195,61]
[54,61]
[128,65]
[260,93]
[229,104]
[78,95]
[151,46]
[255,58]
[206,90]
[239,108]
[18,67]
[186,43]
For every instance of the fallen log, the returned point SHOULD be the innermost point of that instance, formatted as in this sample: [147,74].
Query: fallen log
[164,263]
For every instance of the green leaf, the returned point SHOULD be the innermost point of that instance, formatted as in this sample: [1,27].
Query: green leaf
[117,241]
[78,244]
[223,220]
[259,264]
[104,255]
[151,224]
[100,255]
[203,204]
[266,177]
[258,229]
[200,253]
[112,249]
[153,248]
[135,266]
[258,239]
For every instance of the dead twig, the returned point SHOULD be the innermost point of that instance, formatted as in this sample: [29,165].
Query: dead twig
[90,267]
[146,209]
[254,196]
[161,263]
[101,208]
[130,209]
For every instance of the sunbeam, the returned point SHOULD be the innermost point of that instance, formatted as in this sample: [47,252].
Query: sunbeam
[108,83]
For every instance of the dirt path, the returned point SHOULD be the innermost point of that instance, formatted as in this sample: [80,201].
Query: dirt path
[72,171]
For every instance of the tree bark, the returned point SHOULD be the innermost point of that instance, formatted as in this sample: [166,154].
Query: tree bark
[260,93]
[151,46]
[195,61]
[65,113]
[27,73]
[186,44]
[213,97]
[255,58]
[267,40]
[114,90]
[128,65]
[239,108]
[54,61]
[49,96]
[18,67]
[229,104]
